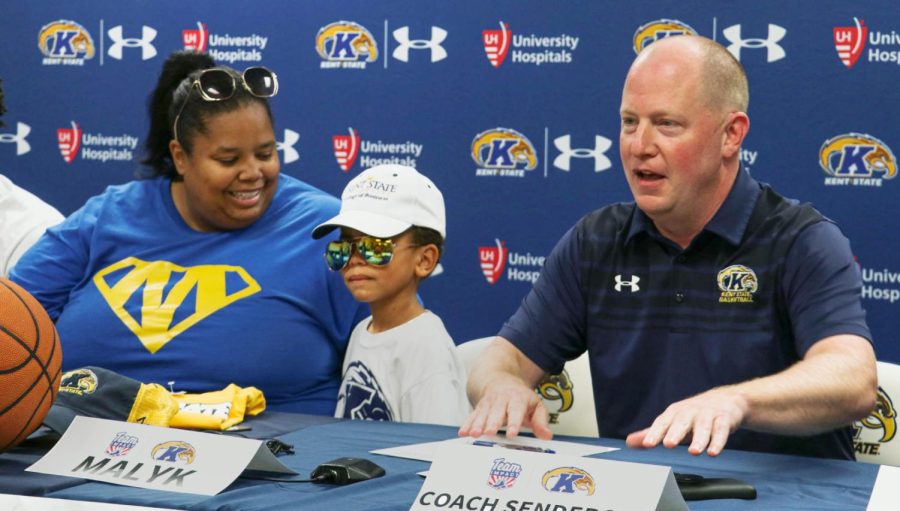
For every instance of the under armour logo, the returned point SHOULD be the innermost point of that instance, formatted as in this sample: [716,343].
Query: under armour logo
[22,145]
[775,51]
[564,160]
[632,284]
[438,34]
[290,138]
[148,34]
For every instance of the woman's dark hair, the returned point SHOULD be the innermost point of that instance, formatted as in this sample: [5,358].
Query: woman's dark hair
[174,88]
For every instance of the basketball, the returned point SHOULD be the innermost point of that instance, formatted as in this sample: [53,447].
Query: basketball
[30,364]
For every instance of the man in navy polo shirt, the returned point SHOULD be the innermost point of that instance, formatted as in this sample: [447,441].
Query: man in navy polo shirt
[713,309]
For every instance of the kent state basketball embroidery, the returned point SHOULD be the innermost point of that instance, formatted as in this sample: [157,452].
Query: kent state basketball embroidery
[737,283]
[209,283]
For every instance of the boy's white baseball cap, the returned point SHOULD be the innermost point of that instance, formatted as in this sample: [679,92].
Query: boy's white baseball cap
[386,200]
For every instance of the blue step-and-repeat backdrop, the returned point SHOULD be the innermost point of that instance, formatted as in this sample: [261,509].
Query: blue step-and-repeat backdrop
[510,106]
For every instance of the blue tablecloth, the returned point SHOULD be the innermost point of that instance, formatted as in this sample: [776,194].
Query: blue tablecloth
[782,482]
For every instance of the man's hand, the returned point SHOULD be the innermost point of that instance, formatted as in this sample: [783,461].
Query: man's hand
[501,388]
[508,401]
[709,418]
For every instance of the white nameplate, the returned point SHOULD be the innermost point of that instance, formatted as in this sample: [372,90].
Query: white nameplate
[154,457]
[885,493]
[471,477]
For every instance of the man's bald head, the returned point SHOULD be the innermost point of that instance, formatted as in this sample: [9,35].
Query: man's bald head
[723,83]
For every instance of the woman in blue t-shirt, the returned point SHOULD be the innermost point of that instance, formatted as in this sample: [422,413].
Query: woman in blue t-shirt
[202,272]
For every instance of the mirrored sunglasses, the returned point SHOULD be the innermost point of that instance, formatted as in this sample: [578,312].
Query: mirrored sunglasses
[216,84]
[374,251]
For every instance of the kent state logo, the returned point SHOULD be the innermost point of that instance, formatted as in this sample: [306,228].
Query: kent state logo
[857,159]
[346,149]
[174,451]
[496,43]
[503,474]
[194,293]
[493,259]
[79,382]
[659,29]
[503,152]
[346,44]
[849,42]
[737,284]
[196,39]
[569,480]
[882,418]
[65,42]
[121,445]
[557,387]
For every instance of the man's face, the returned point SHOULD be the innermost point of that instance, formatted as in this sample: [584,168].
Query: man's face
[670,142]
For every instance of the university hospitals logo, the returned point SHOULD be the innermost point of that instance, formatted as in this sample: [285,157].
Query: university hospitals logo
[20,138]
[65,42]
[503,152]
[496,44]
[850,41]
[121,445]
[503,474]
[520,267]
[878,428]
[493,259]
[530,49]
[195,39]
[225,47]
[79,382]
[122,285]
[361,395]
[346,149]
[653,31]
[346,45]
[371,153]
[69,141]
[857,159]
[94,146]
[174,451]
[569,480]
[737,284]
[881,285]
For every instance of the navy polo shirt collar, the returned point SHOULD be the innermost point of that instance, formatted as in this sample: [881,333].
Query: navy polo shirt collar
[729,222]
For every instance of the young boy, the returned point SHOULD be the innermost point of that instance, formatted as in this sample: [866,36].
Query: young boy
[401,363]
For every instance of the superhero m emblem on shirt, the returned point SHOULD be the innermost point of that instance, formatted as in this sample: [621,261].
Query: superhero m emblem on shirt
[157,291]
[737,283]
[362,395]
